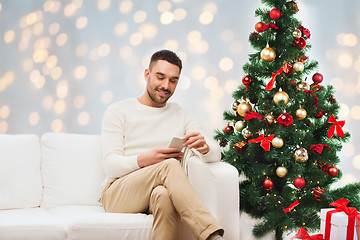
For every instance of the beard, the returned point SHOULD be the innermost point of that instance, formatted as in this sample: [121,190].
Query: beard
[157,99]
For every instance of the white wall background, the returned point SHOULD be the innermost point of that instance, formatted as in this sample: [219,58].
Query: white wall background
[63,62]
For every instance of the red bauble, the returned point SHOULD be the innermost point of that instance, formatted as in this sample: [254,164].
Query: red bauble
[317,78]
[247,80]
[333,171]
[275,14]
[285,119]
[300,42]
[299,182]
[268,184]
[259,25]
[229,129]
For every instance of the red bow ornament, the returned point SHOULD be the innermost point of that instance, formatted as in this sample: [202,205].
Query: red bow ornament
[270,85]
[336,125]
[319,148]
[252,115]
[265,141]
[340,206]
[302,234]
[266,26]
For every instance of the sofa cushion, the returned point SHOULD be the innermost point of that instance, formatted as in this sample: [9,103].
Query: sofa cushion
[71,169]
[92,223]
[30,224]
[20,177]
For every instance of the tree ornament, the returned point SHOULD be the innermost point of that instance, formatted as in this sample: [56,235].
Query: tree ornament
[299,182]
[229,129]
[275,14]
[277,142]
[281,96]
[296,33]
[285,119]
[301,155]
[333,171]
[239,125]
[247,80]
[235,105]
[300,43]
[320,114]
[302,85]
[258,26]
[301,113]
[318,192]
[246,133]
[331,99]
[268,54]
[268,184]
[269,118]
[298,67]
[223,143]
[243,108]
[281,171]
[317,78]
[292,6]
[240,147]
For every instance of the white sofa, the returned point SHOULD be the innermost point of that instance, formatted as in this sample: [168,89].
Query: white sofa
[49,188]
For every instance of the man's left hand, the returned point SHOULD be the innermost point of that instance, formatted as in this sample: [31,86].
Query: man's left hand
[197,141]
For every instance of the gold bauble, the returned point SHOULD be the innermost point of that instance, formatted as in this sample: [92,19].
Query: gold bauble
[277,142]
[281,96]
[268,54]
[243,108]
[296,33]
[301,113]
[298,67]
[302,85]
[239,125]
[301,155]
[281,171]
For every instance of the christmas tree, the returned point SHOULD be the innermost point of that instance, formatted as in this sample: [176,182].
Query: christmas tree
[283,133]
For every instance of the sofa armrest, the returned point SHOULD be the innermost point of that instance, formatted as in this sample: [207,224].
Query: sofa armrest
[217,185]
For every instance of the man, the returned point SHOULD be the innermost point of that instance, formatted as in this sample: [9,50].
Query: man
[141,175]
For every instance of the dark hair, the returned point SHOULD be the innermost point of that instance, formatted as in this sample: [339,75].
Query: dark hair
[166,55]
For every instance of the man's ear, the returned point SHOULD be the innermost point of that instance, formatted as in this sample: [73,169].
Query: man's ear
[146,74]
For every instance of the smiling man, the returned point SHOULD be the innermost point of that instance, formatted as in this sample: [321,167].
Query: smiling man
[142,174]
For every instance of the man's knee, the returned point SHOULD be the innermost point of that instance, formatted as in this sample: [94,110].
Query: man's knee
[160,196]
[171,163]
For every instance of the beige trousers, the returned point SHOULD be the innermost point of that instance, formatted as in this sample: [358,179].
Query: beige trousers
[164,190]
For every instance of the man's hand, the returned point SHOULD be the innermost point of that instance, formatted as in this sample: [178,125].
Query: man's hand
[197,141]
[157,155]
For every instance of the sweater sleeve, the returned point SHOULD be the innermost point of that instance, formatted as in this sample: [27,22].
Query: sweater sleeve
[115,163]
[192,125]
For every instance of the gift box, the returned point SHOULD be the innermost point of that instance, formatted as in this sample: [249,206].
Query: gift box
[338,225]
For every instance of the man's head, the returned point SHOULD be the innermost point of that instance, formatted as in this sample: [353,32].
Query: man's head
[165,55]
[162,77]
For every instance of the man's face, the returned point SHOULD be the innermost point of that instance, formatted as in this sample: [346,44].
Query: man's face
[161,81]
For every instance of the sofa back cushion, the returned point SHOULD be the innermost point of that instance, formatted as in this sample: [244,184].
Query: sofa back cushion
[20,177]
[71,169]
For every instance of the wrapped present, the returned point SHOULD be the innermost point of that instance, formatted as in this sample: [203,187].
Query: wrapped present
[341,222]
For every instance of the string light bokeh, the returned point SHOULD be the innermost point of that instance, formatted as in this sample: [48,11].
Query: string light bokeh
[63,62]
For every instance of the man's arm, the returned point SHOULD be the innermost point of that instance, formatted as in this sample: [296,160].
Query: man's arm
[157,155]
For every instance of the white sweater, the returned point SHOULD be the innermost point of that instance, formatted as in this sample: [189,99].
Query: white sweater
[130,128]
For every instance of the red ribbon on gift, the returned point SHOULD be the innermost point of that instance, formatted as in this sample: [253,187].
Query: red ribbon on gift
[252,115]
[302,234]
[336,125]
[266,26]
[265,141]
[292,206]
[319,148]
[316,100]
[340,206]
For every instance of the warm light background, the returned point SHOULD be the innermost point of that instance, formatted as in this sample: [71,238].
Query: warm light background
[63,62]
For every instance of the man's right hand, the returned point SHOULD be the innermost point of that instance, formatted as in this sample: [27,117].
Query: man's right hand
[157,155]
